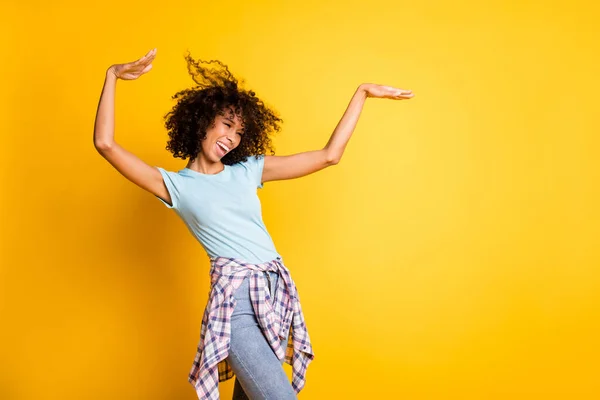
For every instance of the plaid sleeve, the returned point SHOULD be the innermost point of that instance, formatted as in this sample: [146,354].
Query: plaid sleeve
[172,182]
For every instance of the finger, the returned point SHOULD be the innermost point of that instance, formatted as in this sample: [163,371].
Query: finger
[404,95]
[395,89]
[145,56]
[148,56]
[148,68]
[146,61]
[150,53]
[151,57]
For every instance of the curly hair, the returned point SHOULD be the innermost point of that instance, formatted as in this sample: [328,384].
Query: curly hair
[216,91]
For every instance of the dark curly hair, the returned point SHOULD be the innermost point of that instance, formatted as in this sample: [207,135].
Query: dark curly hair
[197,107]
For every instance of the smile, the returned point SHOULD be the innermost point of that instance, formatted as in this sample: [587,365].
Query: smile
[223,149]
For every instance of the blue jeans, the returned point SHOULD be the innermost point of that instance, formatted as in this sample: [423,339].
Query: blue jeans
[259,373]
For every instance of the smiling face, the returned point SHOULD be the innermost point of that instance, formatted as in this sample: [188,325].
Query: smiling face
[223,136]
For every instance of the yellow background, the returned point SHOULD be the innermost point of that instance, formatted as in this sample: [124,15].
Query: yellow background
[452,254]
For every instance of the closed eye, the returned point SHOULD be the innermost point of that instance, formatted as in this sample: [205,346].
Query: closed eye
[229,126]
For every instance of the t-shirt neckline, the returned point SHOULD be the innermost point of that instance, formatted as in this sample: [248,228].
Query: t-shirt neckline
[226,167]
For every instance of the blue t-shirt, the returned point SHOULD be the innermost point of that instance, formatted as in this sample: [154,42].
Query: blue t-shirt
[223,210]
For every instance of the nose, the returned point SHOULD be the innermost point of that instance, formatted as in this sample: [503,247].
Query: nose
[231,137]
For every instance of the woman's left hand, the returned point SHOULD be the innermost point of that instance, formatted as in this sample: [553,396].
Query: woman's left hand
[386,92]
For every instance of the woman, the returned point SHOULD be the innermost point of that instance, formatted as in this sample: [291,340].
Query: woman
[253,321]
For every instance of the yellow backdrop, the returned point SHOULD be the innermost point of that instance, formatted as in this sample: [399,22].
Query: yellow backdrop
[452,254]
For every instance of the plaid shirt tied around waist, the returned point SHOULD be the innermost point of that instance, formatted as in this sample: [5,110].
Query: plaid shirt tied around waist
[279,318]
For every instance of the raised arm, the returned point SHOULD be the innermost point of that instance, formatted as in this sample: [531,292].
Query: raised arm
[127,163]
[305,163]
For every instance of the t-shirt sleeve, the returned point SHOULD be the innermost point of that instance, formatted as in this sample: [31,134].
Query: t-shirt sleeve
[173,183]
[255,165]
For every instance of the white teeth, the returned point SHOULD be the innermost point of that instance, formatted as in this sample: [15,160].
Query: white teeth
[223,147]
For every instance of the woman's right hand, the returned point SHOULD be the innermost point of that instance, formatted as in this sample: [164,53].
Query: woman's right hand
[135,69]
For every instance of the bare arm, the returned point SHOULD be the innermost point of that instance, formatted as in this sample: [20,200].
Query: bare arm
[305,163]
[343,131]
[127,163]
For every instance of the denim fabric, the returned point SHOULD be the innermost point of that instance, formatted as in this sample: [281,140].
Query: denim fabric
[259,373]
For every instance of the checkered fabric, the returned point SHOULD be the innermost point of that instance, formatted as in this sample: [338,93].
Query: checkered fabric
[279,318]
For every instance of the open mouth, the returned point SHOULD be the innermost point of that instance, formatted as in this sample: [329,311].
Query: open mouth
[221,149]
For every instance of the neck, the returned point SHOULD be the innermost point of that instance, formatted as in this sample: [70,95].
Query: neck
[204,166]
